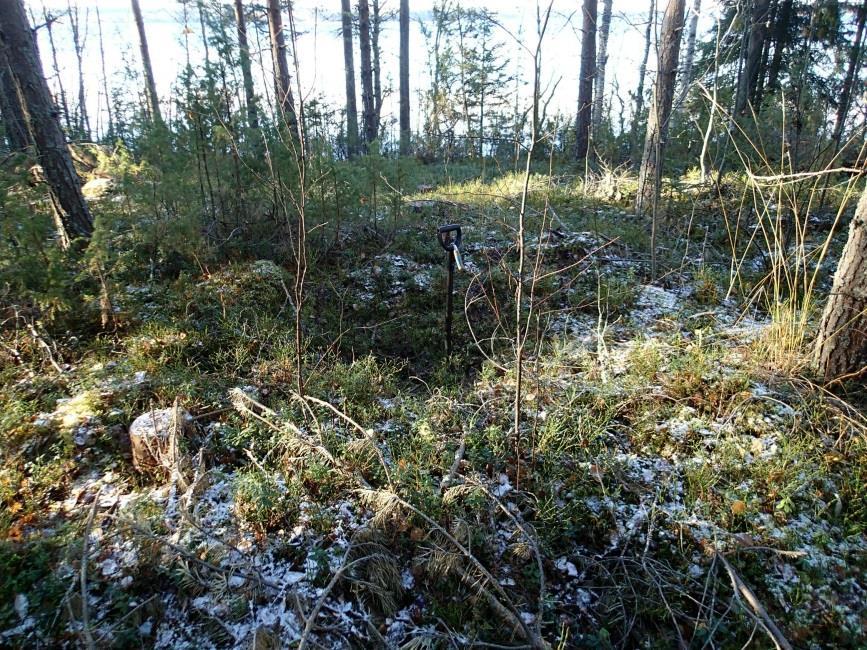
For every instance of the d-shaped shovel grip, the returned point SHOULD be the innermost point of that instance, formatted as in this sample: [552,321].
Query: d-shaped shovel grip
[444,234]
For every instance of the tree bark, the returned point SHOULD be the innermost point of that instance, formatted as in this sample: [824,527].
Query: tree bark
[367,102]
[851,75]
[601,64]
[14,118]
[349,66]
[842,343]
[376,28]
[108,107]
[639,91]
[150,85]
[689,56]
[585,79]
[781,41]
[19,44]
[405,132]
[78,41]
[660,112]
[756,43]
[282,81]
[246,71]
[49,23]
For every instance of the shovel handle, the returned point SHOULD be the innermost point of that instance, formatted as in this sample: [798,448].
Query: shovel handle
[444,234]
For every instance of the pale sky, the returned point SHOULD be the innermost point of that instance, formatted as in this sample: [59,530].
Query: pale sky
[320,49]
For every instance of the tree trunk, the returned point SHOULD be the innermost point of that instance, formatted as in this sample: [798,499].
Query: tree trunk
[601,63]
[49,22]
[78,41]
[150,85]
[663,97]
[405,132]
[639,91]
[19,45]
[750,72]
[376,28]
[282,81]
[246,71]
[781,40]
[367,102]
[759,90]
[349,65]
[851,75]
[14,118]
[108,107]
[585,79]
[689,56]
[842,343]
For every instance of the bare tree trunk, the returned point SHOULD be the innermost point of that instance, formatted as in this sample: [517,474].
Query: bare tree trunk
[246,71]
[781,30]
[14,117]
[49,22]
[405,132]
[639,91]
[367,102]
[201,10]
[689,57]
[851,75]
[282,81]
[108,106]
[660,112]
[300,203]
[376,27]
[842,343]
[585,79]
[601,64]
[349,66]
[153,100]
[750,73]
[78,41]
[19,45]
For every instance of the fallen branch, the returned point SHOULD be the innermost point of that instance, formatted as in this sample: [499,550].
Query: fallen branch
[758,610]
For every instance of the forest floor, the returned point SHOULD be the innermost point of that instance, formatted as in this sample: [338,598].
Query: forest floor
[677,480]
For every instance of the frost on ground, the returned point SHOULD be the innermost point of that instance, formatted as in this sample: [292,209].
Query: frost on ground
[656,451]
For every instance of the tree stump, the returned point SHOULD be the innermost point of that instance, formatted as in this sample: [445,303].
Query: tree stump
[154,438]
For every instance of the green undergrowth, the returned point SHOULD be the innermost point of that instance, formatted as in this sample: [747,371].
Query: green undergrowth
[656,437]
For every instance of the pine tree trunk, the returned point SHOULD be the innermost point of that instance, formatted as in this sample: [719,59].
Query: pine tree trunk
[851,75]
[639,91]
[660,111]
[246,71]
[78,40]
[376,27]
[756,42]
[49,27]
[349,66]
[842,343]
[781,36]
[14,118]
[150,85]
[405,132]
[108,107]
[282,81]
[367,102]
[585,79]
[601,64]
[689,56]
[19,45]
